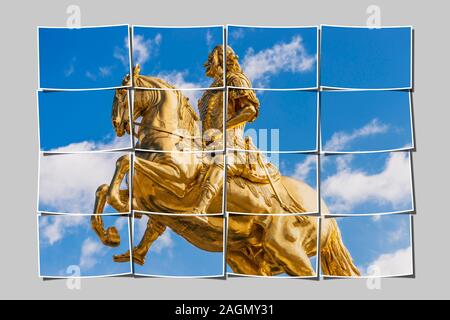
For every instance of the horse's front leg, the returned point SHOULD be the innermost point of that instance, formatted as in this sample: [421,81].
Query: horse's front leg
[109,237]
[153,231]
[116,198]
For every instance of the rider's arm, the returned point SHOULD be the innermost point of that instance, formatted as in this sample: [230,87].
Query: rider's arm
[246,113]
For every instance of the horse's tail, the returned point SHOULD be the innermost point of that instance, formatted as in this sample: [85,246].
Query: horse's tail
[335,258]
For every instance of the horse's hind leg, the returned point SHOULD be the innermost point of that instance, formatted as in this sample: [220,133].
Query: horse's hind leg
[241,263]
[283,243]
[153,231]
[245,262]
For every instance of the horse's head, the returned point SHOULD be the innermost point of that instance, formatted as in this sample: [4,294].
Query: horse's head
[120,112]
[120,109]
[171,105]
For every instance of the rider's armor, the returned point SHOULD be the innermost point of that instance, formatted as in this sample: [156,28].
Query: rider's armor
[249,165]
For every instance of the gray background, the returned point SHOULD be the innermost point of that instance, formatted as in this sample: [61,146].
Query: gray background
[19,160]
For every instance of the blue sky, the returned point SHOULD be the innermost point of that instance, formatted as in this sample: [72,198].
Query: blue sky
[367,183]
[83,58]
[365,120]
[176,54]
[272,58]
[69,240]
[287,121]
[365,58]
[277,57]
[172,255]
[383,241]
[78,121]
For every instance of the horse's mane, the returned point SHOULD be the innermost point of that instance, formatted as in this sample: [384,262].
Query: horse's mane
[186,113]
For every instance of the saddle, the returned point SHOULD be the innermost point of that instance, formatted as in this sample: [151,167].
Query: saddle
[251,165]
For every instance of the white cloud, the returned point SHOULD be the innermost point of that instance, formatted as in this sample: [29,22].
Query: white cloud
[303,169]
[399,234]
[139,228]
[164,243]
[337,142]
[121,54]
[52,229]
[178,80]
[209,38]
[104,71]
[391,264]
[349,188]
[376,218]
[287,57]
[144,49]
[121,222]
[90,251]
[69,71]
[101,72]
[237,34]
[114,144]
[70,68]
[90,75]
[68,182]
[341,140]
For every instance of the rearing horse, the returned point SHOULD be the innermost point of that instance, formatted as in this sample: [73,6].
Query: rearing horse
[169,182]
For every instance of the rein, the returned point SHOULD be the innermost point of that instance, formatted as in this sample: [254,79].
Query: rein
[192,138]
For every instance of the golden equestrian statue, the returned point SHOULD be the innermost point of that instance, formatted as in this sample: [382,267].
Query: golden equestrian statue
[188,183]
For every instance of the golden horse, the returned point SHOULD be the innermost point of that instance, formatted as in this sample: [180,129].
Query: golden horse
[257,244]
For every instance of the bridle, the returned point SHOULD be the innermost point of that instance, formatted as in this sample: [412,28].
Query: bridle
[122,113]
[159,129]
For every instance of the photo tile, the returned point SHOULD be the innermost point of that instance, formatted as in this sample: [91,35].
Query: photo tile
[366,58]
[366,121]
[283,121]
[184,57]
[83,58]
[275,57]
[179,120]
[181,214]
[179,183]
[272,246]
[369,247]
[80,183]
[367,184]
[80,121]
[178,247]
[272,183]
[70,248]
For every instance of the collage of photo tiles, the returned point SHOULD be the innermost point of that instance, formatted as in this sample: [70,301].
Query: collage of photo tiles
[312,179]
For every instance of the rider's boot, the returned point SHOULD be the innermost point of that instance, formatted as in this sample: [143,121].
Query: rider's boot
[208,193]
[211,186]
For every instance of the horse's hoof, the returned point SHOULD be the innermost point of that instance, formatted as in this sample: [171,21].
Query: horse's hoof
[126,258]
[122,257]
[112,237]
[138,259]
